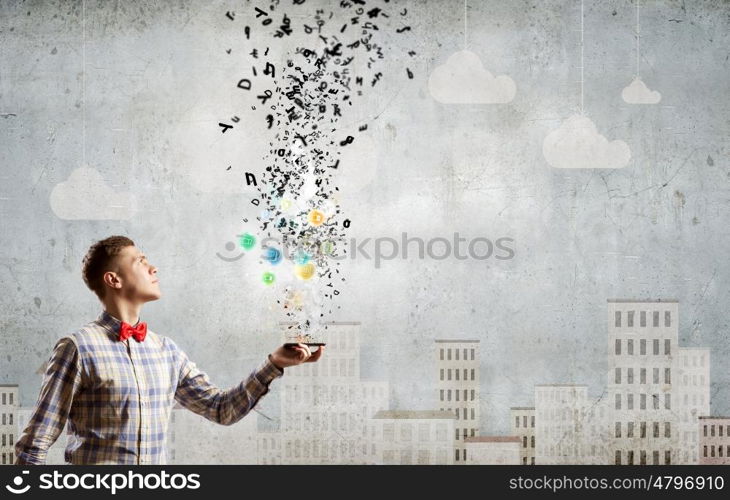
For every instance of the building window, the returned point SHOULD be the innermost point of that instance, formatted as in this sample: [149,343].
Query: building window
[618,401]
[524,460]
[463,454]
[667,375]
[630,375]
[667,429]
[630,346]
[448,395]
[456,434]
[630,429]
[472,414]
[618,346]
[465,356]
[448,354]
[472,394]
[472,373]
[656,347]
[464,413]
[4,401]
[642,457]
[630,401]
[532,441]
[667,401]
[656,318]
[532,422]
[643,429]
[642,374]
[11,398]
[656,429]
[630,458]
[617,460]
[642,318]
[618,429]
[456,455]
[617,378]
[656,375]
[441,375]
[448,374]
[524,421]
[656,457]
[712,431]
[667,345]
[705,432]
[631,318]
[642,346]
[642,401]
[517,421]
[442,353]
[655,397]
[705,451]
[667,457]
[524,441]
[456,372]
[442,394]
[456,354]
[456,394]
[667,319]
[472,354]
[719,450]
[618,319]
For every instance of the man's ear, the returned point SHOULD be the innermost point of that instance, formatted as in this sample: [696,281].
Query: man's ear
[112,280]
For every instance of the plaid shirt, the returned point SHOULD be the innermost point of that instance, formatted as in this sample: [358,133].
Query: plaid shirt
[117,397]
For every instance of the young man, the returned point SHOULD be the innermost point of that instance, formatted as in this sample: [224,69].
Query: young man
[115,381]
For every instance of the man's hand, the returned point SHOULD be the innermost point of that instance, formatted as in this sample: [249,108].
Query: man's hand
[285,357]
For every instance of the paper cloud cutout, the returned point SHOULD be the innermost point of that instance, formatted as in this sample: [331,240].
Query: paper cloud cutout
[85,195]
[577,144]
[638,93]
[463,80]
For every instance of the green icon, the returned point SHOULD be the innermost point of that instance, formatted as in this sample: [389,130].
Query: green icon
[326,247]
[248,241]
[268,278]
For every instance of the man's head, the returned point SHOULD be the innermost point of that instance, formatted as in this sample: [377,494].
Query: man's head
[114,267]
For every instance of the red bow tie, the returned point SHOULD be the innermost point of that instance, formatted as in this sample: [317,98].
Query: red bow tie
[138,332]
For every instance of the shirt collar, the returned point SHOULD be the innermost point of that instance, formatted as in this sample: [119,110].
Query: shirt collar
[111,323]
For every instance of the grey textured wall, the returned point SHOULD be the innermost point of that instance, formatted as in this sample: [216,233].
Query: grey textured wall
[134,90]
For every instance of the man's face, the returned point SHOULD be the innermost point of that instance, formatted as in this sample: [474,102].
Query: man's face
[138,278]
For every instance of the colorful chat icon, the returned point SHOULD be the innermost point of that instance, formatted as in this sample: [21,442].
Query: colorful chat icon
[316,218]
[305,272]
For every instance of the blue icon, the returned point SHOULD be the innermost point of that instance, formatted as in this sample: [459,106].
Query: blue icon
[272,255]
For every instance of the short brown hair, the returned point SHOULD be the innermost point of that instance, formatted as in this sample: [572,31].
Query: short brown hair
[97,259]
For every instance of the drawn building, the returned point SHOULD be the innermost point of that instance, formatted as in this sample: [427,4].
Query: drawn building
[326,409]
[8,426]
[656,389]
[457,368]
[560,428]
[693,399]
[494,450]
[714,440]
[522,420]
[414,437]
[193,439]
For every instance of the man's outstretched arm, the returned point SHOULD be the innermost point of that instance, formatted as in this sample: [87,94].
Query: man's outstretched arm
[196,393]
[61,382]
